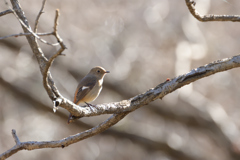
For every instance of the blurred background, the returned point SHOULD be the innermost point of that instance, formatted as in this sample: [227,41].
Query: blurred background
[142,43]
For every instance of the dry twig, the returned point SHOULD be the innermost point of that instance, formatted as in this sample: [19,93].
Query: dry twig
[26,34]
[6,12]
[206,18]
[38,16]
[28,28]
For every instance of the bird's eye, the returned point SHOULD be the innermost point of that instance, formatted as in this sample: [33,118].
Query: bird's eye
[98,71]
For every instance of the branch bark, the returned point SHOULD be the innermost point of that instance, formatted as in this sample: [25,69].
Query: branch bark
[206,18]
[158,92]
[31,145]
[6,12]
[26,34]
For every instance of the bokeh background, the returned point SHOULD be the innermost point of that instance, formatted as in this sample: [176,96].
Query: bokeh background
[142,43]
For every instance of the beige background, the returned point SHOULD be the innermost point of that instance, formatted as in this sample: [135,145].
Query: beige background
[142,43]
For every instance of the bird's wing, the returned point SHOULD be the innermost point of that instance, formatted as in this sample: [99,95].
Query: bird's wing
[87,83]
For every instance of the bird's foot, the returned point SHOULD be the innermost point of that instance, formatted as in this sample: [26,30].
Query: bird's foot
[90,106]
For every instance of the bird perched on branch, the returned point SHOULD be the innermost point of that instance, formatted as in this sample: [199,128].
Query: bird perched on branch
[89,87]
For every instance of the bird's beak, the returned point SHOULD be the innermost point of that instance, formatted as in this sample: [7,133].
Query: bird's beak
[107,72]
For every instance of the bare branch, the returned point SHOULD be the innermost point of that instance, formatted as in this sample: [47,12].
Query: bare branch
[6,12]
[38,16]
[26,34]
[155,93]
[205,18]
[31,145]
[28,28]
[46,72]
[14,134]
[34,34]
[42,60]
[56,21]
[55,31]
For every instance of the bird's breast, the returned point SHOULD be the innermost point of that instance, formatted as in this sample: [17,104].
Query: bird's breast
[93,94]
[100,82]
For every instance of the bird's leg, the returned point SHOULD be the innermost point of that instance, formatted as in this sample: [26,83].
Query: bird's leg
[72,118]
[69,118]
[89,105]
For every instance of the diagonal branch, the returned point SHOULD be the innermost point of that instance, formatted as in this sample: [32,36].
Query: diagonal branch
[205,18]
[26,25]
[47,83]
[42,60]
[31,145]
[159,91]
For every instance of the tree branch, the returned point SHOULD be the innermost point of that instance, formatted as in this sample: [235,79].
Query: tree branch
[158,92]
[6,12]
[14,134]
[31,145]
[42,60]
[46,73]
[23,21]
[205,18]
[38,16]
[26,34]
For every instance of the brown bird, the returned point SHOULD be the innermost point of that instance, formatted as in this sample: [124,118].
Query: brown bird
[89,87]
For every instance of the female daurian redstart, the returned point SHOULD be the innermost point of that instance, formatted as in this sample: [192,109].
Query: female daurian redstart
[89,87]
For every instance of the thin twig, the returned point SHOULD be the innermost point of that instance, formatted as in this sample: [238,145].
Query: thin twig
[35,35]
[55,30]
[56,20]
[50,61]
[15,137]
[26,34]
[6,12]
[206,18]
[28,28]
[38,16]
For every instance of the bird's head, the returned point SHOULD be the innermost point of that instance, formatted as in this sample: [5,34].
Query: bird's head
[98,71]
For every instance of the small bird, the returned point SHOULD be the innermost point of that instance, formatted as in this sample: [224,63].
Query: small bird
[89,87]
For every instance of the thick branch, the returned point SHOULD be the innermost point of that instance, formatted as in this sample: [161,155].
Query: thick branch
[205,18]
[155,93]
